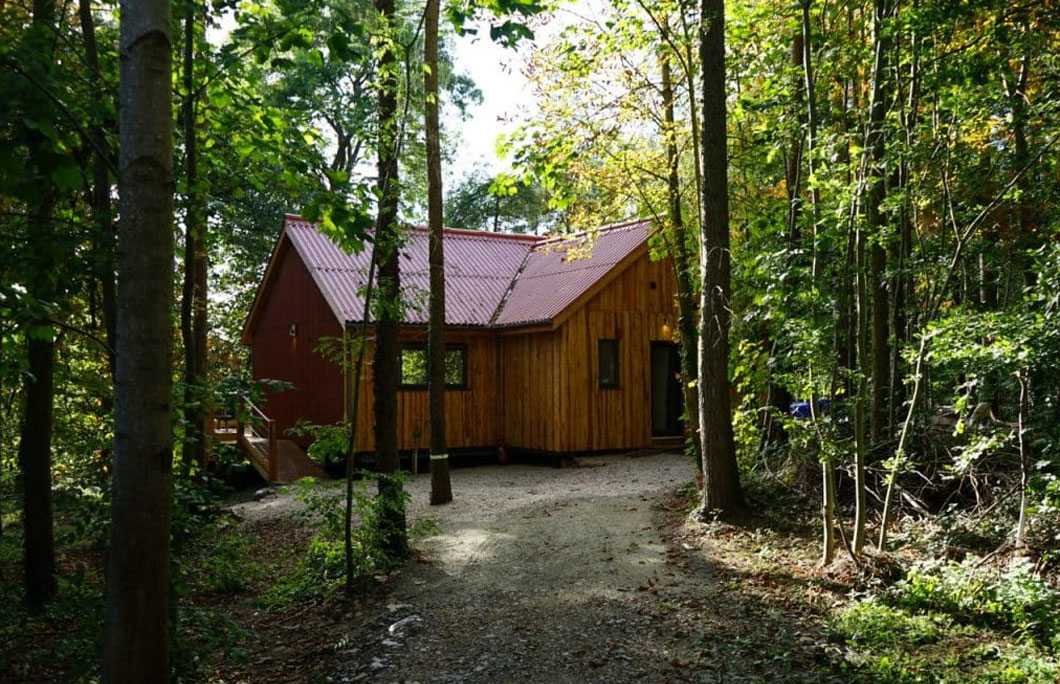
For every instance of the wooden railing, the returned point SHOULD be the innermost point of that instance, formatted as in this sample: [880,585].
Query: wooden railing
[262,427]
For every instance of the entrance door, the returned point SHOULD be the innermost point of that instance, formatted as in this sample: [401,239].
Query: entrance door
[666,396]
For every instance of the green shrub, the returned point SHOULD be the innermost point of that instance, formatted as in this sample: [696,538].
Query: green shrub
[1014,599]
[874,623]
[321,571]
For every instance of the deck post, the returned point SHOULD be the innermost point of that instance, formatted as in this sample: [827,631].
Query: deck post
[240,424]
[273,470]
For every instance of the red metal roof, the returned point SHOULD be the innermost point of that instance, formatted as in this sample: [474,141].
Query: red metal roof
[492,279]
[560,270]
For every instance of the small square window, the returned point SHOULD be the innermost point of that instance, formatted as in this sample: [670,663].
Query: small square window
[414,366]
[607,351]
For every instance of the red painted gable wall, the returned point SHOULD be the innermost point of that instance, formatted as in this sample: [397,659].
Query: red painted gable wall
[294,299]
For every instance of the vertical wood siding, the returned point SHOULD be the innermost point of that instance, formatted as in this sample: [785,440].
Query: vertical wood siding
[629,310]
[472,415]
[317,392]
[537,391]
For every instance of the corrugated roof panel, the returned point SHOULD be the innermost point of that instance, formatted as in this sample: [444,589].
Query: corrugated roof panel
[491,278]
[562,269]
[479,268]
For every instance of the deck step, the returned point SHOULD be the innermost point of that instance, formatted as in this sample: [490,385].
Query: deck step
[292,463]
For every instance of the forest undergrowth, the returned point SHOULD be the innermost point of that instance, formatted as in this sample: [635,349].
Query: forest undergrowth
[951,601]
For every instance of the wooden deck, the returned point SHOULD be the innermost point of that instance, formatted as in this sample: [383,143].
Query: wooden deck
[291,463]
[278,461]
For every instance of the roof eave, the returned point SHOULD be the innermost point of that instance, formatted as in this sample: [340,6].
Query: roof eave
[263,286]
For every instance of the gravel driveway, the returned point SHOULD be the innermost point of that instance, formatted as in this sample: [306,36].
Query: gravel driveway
[538,575]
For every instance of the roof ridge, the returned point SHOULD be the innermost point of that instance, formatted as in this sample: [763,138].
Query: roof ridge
[511,288]
[458,232]
[591,231]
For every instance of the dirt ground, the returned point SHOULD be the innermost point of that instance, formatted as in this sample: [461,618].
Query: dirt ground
[577,574]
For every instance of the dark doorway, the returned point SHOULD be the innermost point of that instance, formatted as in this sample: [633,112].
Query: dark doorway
[666,397]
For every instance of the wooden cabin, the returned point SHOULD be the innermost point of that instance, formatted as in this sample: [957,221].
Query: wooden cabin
[555,346]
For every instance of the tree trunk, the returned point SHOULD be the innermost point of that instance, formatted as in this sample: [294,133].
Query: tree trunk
[678,248]
[828,493]
[388,287]
[351,418]
[34,452]
[35,463]
[1018,98]
[876,192]
[721,480]
[136,630]
[441,488]
[102,214]
[193,301]
[861,432]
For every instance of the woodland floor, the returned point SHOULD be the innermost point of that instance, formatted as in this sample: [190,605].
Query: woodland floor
[590,573]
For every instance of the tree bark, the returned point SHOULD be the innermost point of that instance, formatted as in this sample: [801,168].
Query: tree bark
[441,488]
[1018,98]
[721,480]
[876,192]
[828,493]
[193,300]
[682,264]
[34,451]
[388,287]
[35,463]
[136,630]
[102,214]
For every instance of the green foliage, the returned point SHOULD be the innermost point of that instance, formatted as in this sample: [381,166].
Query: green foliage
[330,442]
[320,573]
[874,623]
[501,203]
[63,642]
[886,643]
[219,560]
[1013,599]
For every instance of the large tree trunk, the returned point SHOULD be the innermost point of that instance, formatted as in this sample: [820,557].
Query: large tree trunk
[35,452]
[136,631]
[388,287]
[193,301]
[441,488]
[721,480]
[682,264]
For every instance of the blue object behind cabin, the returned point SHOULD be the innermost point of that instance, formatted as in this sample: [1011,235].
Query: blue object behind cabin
[801,409]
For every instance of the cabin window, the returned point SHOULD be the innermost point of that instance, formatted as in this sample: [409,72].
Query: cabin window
[414,366]
[607,351]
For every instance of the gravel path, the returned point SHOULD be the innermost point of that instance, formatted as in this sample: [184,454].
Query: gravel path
[537,575]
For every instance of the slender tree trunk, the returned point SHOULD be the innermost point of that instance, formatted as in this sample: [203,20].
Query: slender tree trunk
[441,488]
[1021,523]
[876,192]
[682,264]
[902,282]
[721,479]
[860,397]
[102,214]
[35,463]
[193,301]
[1018,99]
[828,493]
[388,287]
[34,450]
[793,166]
[136,630]
[351,441]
